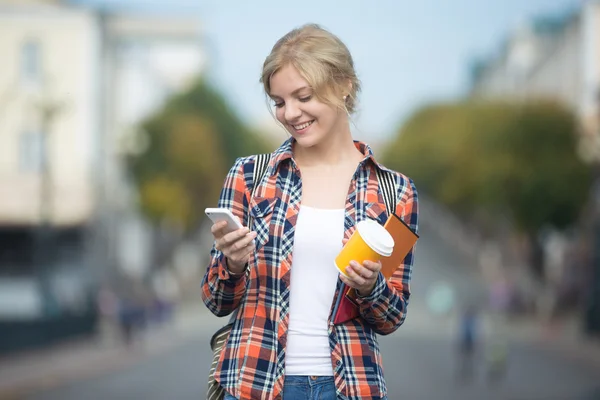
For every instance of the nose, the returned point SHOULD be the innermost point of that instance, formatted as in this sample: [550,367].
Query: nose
[292,112]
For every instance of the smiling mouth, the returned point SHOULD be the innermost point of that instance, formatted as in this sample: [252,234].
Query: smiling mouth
[303,126]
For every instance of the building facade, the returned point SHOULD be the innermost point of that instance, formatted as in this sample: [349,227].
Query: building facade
[148,59]
[557,58]
[49,123]
[75,83]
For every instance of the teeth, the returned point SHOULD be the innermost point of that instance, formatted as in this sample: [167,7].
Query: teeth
[305,125]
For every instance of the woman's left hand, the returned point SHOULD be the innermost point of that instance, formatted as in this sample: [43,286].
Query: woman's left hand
[362,277]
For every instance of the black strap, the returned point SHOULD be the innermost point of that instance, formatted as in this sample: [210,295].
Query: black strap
[260,167]
[387,183]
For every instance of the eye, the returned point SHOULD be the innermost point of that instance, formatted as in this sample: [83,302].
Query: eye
[305,99]
[278,105]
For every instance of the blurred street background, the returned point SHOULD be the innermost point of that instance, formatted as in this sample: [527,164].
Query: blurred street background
[120,119]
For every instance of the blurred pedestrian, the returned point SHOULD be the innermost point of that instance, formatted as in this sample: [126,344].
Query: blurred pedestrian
[132,317]
[280,270]
[496,359]
[127,320]
[467,343]
[496,350]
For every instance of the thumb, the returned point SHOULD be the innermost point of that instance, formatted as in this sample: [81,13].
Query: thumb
[344,241]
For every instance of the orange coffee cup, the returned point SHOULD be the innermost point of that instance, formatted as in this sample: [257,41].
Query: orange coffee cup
[370,241]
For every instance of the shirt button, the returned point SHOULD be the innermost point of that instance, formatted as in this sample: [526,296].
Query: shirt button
[338,362]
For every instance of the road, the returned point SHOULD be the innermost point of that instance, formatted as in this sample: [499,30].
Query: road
[419,359]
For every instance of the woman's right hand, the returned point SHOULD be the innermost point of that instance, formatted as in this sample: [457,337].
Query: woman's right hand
[236,246]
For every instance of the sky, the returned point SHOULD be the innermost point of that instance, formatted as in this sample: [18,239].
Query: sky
[407,53]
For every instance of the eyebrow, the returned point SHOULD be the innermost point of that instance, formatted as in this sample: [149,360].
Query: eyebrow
[294,92]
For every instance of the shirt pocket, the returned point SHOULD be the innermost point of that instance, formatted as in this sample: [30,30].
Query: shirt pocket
[261,212]
[377,212]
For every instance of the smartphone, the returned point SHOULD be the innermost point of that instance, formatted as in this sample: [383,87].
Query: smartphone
[223,214]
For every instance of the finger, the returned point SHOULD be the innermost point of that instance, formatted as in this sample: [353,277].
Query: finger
[234,236]
[243,242]
[243,255]
[364,272]
[229,242]
[220,244]
[218,228]
[358,280]
[344,241]
[347,281]
[361,270]
[372,266]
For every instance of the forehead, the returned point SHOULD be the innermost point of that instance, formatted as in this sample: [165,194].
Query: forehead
[287,81]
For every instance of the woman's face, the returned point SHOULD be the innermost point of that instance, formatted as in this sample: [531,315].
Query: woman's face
[307,119]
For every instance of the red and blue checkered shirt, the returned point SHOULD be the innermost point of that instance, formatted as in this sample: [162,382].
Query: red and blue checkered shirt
[252,363]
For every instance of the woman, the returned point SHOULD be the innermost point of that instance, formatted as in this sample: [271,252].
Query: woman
[280,271]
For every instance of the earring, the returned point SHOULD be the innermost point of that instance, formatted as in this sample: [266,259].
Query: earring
[344,98]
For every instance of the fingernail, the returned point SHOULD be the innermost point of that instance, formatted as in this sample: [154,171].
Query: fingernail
[253,234]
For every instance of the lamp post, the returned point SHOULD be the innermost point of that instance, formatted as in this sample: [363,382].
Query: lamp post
[592,312]
[592,325]
[48,109]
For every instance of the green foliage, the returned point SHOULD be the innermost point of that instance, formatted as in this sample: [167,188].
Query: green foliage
[191,143]
[235,139]
[511,159]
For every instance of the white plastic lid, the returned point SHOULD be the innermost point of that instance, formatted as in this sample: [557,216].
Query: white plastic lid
[376,237]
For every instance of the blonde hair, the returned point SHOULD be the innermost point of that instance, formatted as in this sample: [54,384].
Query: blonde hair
[322,59]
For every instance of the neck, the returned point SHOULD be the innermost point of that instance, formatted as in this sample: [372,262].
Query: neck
[335,149]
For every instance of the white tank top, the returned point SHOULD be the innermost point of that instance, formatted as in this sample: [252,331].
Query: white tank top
[317,241]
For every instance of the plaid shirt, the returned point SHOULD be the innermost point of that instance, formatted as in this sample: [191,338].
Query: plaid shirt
[252,361]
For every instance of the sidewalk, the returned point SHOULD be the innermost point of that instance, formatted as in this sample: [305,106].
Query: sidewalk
[563,337]
[30,372]
[24,373]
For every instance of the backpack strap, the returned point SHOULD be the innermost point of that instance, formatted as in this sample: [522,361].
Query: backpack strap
[260,167]
[387,183]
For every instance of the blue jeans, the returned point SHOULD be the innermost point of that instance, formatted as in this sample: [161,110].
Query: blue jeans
[305,388]
[296,387]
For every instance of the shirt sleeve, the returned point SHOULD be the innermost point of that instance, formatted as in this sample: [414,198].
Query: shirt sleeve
[385,308]
[221,291]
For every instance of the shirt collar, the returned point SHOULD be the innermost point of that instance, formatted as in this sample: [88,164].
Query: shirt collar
[284,152]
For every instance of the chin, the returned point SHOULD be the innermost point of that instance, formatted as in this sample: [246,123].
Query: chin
[306,141]
[309,139]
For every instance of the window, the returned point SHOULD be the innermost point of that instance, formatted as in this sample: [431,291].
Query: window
[31,151]
[31,62]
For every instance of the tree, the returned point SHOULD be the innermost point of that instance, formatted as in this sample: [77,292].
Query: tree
[511,160]
[233,137]
[191,143]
